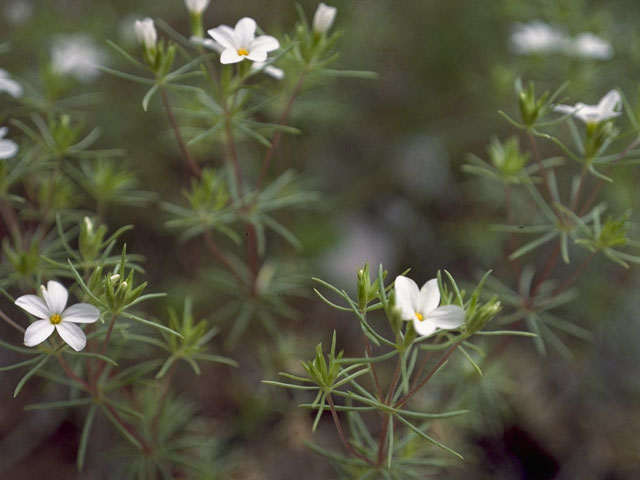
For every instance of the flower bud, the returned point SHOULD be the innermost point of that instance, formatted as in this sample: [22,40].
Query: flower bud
[146,34]
[196,7]
[323,18]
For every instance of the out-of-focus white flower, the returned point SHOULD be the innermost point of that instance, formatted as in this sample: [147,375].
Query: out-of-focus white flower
[77,56]
[588,45]
[270,70]
[8,85]
[146,34]
[8,148]
[323,18]
[241,42]
[18,11]
[421,307]
[538,37]
[593,114]
[54,316]
[196,6]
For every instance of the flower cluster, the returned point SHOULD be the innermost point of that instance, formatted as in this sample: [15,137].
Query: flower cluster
[538,37]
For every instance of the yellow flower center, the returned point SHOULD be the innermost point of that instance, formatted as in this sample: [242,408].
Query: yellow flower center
[55,319]
[243,52]
[419,316]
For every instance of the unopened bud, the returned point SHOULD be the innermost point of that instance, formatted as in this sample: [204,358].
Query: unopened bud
[323,18]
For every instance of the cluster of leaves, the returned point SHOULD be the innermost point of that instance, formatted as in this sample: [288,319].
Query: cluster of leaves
[383,434]
[566,223]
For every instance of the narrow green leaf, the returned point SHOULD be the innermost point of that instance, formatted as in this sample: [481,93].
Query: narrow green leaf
[75,402]
[84,437]
[125,433]
[29,374]
[150,323]
[428,438]
[14,366]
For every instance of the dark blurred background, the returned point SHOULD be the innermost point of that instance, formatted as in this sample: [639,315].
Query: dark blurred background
[386,155]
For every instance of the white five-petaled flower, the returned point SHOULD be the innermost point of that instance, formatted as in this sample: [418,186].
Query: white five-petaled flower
[196,6]
[52,314]
[241,42]
[323,18]
[589,45]
[538,37]
[593,114]
[146,34]
[269,69]
[8,85]
[77,56]
[8,148]
[421,307]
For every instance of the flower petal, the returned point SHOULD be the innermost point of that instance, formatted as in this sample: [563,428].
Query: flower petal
[73,335]
[81,313]
[406,297]
[34,305]
[423,328]
[230,55]
[38,332]
[429,297]
[55,296]
[245,31]
[265,43]
[447,316]
[608,103]
[257,56]
[566,109]
[8,149]
[225,36]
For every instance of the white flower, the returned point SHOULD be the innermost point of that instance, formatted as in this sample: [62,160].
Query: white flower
[241,42]
[196,7]
[270,70]
[323,18]
[538,37]
[588,45]
[54,316]
[12,87]
[8,148]
[146,33]
[421,307]
[77,56]
[593,114]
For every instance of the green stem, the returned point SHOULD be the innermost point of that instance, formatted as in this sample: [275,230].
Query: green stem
[191,163]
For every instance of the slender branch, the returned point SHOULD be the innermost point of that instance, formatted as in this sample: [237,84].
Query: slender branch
[275,141]
[574,276]
[10,218]
[348,447]
[233,155]
[547,269]
[213,248]
[72,375]
[6,318]
[382,441]
[132,431]
[538,159]
[369,350]
[176,130]
[598,187]
[513,246]
[103,350]
[431,373]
